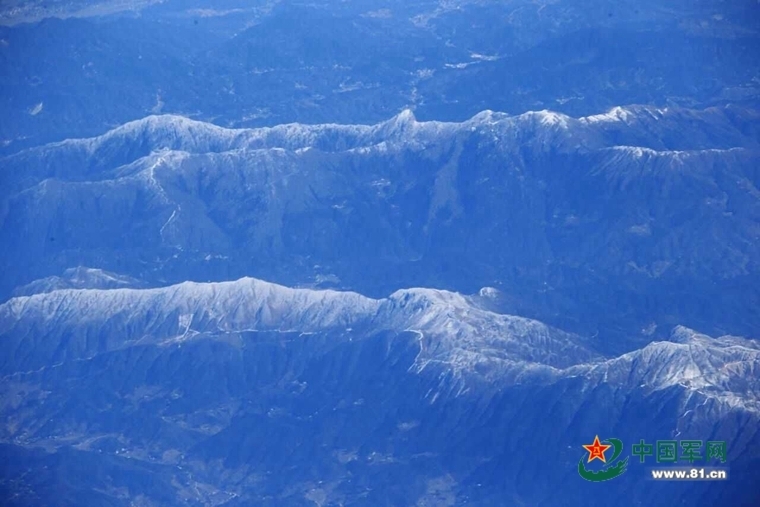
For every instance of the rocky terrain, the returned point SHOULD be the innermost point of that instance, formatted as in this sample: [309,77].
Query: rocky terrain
[247,392]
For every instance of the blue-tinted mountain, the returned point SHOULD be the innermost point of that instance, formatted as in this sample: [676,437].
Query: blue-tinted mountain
[289,254]
[76,70]
[248,392]
[608,222]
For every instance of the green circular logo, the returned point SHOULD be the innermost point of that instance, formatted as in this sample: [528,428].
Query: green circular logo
[614,468]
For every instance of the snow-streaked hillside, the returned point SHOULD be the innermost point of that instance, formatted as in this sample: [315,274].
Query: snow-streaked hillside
[63,324]
[619,225]
[650,129]
[79,278]
[204,383]
[547,207]
[724,369]
[453,335]
[377,253]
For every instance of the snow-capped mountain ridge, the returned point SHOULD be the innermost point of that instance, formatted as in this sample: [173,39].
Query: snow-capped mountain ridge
[448,321]
[198,201]
[454,334]
[80,277]
[172,132]
[456,298]
[171,138]
[725,369]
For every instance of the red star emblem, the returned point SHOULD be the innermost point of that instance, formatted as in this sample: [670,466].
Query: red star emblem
[596,450]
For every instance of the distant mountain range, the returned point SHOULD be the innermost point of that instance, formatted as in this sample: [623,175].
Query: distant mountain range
[76,68]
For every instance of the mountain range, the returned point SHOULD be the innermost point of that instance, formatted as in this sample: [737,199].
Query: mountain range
[74,68]
[558,267]
[378,253]
[247,392]
[611,222]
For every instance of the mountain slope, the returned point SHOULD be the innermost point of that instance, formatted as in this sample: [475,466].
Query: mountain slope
[639,206]
[72,324]
[208,394]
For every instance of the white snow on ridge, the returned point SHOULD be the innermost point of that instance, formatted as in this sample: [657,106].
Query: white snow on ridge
[228,306]
[550,118]
[626,163]
[78,278]
[139,138]
[449,317]
[616,114]
[640,151]
[453,333]
[453,328]
[726,369]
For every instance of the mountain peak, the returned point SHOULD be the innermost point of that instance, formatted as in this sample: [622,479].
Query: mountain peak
[402,124]
[80,277]
[405,116]
[684,335]
[550,118]
[616,114]
[175,132]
